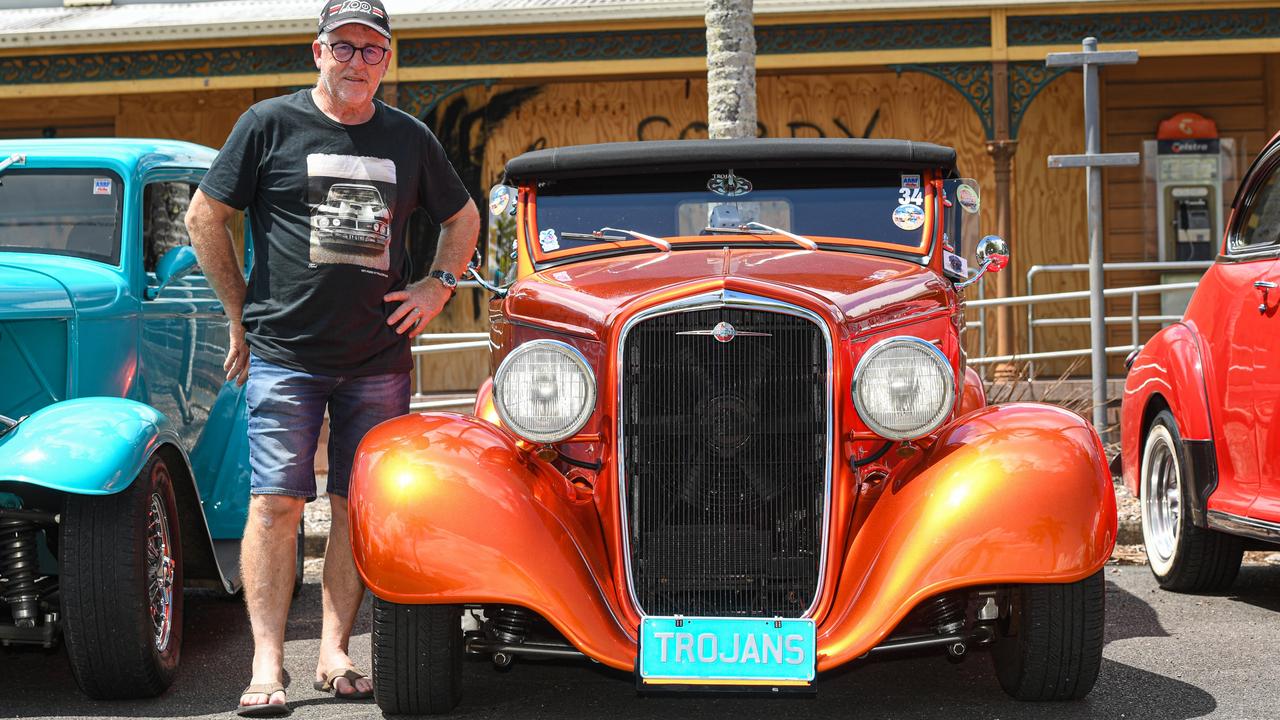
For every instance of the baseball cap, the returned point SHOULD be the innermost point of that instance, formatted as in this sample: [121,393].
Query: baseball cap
[370,13]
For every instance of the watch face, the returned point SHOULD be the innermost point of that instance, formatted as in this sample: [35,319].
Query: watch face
[445,277]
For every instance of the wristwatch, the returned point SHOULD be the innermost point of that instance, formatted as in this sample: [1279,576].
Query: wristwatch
[447,279]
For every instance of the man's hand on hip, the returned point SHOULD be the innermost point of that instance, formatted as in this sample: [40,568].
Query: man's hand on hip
[419,304]
[237,362]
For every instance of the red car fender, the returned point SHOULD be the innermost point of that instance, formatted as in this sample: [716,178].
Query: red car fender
[973,395]
[1015,493]
[447,508]
[1169,368]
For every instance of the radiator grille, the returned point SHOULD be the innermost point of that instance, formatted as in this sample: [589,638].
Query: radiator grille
[724,457]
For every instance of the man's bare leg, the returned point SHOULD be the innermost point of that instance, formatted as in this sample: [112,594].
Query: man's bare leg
[267,556]
[342,592]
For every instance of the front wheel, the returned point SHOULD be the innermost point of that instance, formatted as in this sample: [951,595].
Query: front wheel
[120,580]
[417,658]
[1051,647]
[1183,557]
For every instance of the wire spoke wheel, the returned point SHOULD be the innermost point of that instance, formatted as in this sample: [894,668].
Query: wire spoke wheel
[160,572]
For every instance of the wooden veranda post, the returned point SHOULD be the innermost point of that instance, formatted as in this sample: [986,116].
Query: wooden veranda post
[731,69]
[1002,147]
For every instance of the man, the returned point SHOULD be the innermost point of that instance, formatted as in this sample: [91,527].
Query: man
[329,176]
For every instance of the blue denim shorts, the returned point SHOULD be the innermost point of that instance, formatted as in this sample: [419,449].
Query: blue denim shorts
[286,410]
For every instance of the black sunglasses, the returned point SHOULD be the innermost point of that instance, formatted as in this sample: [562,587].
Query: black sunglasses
[344,51]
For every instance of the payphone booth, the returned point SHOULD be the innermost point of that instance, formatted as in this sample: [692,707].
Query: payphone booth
[1190,162]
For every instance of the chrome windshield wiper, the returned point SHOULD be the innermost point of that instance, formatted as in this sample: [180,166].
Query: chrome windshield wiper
[800,240]
[14,159]
[657,242]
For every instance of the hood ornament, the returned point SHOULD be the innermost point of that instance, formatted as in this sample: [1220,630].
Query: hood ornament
[725,332]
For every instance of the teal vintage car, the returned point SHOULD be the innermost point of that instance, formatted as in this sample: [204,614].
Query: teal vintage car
[123,456]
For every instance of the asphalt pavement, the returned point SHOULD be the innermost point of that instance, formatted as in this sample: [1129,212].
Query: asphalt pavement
[1167,656]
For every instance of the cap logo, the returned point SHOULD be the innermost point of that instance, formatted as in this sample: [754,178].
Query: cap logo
[355,6]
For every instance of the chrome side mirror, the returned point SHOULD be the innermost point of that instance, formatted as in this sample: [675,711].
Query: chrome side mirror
[174,264]
[993,255]
[499,238]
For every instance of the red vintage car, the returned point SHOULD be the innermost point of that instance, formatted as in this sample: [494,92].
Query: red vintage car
[1200,430]
[731,441]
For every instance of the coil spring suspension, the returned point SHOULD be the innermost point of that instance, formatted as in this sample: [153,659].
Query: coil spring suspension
[945,613]
[512,624]
[18,566]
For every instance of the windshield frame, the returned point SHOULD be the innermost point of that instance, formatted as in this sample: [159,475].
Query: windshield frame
[117,256]
[921,253]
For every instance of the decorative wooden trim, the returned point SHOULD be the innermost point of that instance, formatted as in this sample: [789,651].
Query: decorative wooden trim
[156,65]
[972,80]
[1185,25]
[420,98]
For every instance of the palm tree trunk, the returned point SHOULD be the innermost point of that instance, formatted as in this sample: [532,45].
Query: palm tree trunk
[731,69]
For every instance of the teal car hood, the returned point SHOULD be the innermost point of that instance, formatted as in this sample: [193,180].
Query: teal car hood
[30,293]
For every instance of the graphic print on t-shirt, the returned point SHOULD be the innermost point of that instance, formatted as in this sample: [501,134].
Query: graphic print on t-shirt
[351,201]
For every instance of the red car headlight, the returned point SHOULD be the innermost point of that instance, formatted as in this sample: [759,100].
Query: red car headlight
[904,388]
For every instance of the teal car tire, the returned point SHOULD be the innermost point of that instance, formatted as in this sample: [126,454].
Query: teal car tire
[417,658]
[121,587]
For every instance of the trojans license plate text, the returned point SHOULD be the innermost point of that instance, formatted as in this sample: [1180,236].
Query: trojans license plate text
[735,651]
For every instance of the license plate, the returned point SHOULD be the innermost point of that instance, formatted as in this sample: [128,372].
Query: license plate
[727,651]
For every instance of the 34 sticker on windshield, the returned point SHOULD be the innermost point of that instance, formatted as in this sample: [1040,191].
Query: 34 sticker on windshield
[548,240]
[102,186]
[908,217]
[910,196]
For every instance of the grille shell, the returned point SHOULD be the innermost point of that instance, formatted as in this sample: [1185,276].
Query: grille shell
[725,458]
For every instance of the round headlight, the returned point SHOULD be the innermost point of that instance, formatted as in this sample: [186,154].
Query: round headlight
[544,391]
[903,388]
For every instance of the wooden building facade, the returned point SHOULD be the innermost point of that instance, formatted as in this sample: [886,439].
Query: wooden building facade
[969,75]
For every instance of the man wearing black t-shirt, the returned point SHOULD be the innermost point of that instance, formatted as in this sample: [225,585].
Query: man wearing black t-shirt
[329,177]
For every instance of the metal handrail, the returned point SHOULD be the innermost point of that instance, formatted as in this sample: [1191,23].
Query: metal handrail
[1165,266]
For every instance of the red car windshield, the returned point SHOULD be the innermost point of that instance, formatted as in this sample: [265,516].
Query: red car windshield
[886,210]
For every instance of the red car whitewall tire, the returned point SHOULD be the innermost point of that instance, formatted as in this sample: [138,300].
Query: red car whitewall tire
[1182,556]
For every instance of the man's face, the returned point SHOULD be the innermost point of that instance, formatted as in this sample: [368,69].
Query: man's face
[353,82]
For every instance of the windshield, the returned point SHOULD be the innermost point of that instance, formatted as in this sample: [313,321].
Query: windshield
[880,209]
[62,213]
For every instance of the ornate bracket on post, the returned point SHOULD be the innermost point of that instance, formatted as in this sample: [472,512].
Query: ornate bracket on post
[972,80]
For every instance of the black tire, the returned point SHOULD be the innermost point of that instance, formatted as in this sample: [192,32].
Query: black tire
[1183,557]
[117,648]
[417,658]
[1051,647]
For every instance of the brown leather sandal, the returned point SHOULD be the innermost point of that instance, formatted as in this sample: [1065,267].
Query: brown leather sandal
[267,709]
[351,674]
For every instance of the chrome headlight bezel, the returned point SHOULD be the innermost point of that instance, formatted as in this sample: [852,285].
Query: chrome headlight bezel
[939,362]
[574,356]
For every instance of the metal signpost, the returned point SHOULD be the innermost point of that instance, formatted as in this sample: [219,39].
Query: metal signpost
[1094,160]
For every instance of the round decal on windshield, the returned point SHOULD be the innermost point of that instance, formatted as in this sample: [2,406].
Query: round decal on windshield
[908,217]
[728,184]
[968,198]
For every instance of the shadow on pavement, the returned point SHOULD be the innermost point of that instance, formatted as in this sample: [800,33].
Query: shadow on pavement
[1129,616]
[216,656]
[1258,585]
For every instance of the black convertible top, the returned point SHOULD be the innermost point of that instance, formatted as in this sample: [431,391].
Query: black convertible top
[675,156]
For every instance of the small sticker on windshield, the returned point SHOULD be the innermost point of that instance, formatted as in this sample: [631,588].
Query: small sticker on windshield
[548,240]
[102,186]
[955,266]
[968,198]
[910,181]
[728,184]
[499,199]
[908,217]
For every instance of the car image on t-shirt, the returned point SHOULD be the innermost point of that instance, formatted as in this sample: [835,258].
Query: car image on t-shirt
[353,217]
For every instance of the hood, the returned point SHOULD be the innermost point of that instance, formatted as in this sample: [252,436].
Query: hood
[29,293]
[857,291]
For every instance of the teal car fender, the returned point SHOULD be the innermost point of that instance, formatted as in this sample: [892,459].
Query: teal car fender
[86,446]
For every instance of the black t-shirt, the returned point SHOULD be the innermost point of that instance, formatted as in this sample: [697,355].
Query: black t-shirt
[328,206]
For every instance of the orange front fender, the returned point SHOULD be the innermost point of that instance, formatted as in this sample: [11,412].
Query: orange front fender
[446,508]
[1013,493]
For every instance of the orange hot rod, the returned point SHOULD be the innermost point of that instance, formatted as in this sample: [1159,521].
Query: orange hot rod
[731,441]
